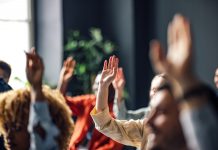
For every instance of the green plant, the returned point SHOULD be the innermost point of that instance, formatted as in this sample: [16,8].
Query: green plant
[89,53]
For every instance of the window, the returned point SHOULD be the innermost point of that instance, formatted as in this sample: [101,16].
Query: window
[15,37]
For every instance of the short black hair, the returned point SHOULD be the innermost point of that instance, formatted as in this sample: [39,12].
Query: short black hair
[6,68]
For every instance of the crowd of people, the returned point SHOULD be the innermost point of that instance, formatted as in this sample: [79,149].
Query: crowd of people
[182,113]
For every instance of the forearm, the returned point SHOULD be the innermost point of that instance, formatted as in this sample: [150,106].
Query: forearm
[62,86]
[102,98]
[36,93]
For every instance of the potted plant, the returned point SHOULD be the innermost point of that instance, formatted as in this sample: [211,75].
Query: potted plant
[89,53]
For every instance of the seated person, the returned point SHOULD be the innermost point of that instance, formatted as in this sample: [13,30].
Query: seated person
[20,112]
[165,125]
[134,132]
[86,136]
[5,73]
[119,108]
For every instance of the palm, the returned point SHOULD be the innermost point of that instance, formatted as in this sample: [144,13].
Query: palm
[67,73]
[107,76]
[119,80]
[34,68]
[68,69]
[109,71]
[179,46]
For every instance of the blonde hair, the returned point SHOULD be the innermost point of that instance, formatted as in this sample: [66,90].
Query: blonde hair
[14,108]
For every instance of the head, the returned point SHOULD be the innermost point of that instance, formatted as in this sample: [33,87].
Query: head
[95,88]
[14,116]
[158,81]
[164,128]
[5,71]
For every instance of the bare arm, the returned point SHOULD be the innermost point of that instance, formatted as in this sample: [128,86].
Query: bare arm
[108,74]
[66,74]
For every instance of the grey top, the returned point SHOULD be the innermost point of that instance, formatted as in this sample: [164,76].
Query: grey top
[39,115]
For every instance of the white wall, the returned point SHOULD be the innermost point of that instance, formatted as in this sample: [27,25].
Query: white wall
[49,37]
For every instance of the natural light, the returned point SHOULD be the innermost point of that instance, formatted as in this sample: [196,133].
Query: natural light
[15,37]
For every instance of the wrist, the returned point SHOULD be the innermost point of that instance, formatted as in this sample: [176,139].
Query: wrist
[36,94]
[181,85]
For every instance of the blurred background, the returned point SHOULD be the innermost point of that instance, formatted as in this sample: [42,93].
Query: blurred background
[121,27]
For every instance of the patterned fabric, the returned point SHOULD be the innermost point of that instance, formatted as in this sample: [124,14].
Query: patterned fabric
[3,88]
[39,115]
[131,132]
[81,107]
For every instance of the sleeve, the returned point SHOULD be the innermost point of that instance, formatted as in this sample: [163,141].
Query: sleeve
[121,112]
[40,116]
[111,145]
[200,127]
[126,132]
[76,104]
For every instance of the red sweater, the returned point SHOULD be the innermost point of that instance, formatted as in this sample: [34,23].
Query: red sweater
[81,107]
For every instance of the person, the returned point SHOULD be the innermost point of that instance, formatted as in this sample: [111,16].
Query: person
[39,115]
[216,78]
[135,132]
[197,102]
[119,107]
[86,136]
[5,73]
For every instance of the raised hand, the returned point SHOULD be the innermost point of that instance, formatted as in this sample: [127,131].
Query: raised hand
[118,84]
[177,62]
[66,74]
[34,73]
[119,81]
[34,68]
[67,69]
[109,71]
[107,76]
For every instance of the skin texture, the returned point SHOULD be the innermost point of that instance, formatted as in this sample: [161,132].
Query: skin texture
[66,74]
[164,129]
[156,82]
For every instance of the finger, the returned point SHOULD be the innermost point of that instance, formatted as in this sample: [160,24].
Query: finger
[69,61]
[169,34]
[73,64]
[116,63]
[105,65]
[112,62]
[109,63]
